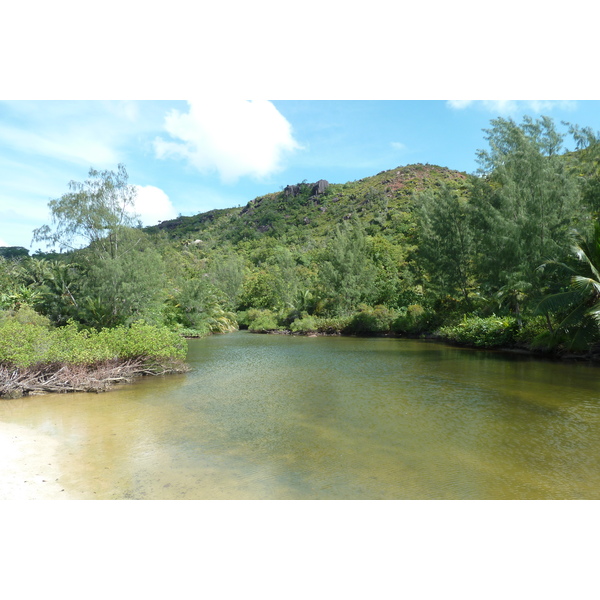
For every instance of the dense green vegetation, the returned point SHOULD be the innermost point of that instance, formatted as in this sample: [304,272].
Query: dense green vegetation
[37,357]
[509,256]
[27,341]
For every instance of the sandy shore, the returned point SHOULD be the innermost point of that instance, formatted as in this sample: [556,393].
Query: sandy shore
[27,469]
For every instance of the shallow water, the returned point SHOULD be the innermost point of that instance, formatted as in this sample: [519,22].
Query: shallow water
[286,417]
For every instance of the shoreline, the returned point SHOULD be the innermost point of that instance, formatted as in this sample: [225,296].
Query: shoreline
[592,359]
[57,378]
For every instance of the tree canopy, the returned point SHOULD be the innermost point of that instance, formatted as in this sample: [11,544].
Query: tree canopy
[92,212]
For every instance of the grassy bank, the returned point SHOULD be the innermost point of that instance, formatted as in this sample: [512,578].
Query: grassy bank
[36,358]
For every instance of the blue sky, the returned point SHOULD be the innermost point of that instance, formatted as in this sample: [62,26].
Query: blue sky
[191,157]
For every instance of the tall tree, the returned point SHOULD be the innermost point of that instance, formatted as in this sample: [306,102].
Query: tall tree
[347,273]
[526,205]
[586,165]
[226,272]
[124,288]
[122,270]
[394,282]
[446,242]
[94,211]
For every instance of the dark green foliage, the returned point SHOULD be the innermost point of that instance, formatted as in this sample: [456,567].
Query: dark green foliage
[197,308]
[576,309]
[346,272]
[446,245]
[13,290]
[526,210]
[58,285]
[415,320]
[13,252]
[488,332]
[260,320]
[325,325]
[394,284]
[226,273]
[125,287]
[371,321]
[258,290]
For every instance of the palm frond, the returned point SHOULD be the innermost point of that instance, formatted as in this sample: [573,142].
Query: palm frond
[556,263]
[594,312]
[585,255]
[573,320]
[585,285]
[557,302]
[583,338]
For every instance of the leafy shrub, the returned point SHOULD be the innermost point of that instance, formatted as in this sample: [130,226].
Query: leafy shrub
[533,328]
[242,319]
[333,325]
[261,320]
[307,324]
[26,315]
[143,340]
[22,345]
[484,332]
[371,320]
[26,344]
[326,325]
[193,332]
[246,317]
[414,319]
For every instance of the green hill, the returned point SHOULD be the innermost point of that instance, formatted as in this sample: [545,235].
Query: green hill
[383,203]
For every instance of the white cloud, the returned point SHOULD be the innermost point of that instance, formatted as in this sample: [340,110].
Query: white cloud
[153,205]
[546,105]
[512,106]
[235,137]
[85,133]
[397,145]
[3,243]
[496,106]
[80,148]
[459,104]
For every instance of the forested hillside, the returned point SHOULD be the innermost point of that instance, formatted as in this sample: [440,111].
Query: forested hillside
[505,257]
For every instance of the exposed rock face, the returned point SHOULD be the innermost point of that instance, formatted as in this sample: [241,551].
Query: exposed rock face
[320,187]
[291,190]
[317,189]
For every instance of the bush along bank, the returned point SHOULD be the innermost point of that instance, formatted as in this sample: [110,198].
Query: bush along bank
[471,331]
[411,321]
[36,358]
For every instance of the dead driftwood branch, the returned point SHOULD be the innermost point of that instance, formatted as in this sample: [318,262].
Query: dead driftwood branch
[62,378]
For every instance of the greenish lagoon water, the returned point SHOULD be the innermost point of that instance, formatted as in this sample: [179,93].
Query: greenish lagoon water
[290,417]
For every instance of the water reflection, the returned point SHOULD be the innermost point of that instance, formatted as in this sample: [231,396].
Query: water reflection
[293,417]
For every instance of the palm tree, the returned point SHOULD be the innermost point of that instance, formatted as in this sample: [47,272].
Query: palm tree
[579,306]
